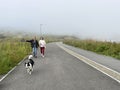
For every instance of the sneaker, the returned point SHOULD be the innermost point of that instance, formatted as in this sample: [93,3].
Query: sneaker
[42,55]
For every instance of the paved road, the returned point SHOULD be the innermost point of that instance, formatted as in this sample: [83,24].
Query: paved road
[58,70]
[104,60]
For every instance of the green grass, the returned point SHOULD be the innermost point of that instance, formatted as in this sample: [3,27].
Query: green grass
[106,48]
[11,53]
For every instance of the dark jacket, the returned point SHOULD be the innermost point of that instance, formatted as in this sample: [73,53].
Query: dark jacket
[33,43]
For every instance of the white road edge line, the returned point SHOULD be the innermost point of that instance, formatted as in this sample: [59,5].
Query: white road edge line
[7,74]
[11,70]
[107,71]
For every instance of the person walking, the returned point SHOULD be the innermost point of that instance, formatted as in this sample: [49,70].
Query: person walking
[34,45]
[42,45]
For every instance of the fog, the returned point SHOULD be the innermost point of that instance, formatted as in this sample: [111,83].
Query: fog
[96,19]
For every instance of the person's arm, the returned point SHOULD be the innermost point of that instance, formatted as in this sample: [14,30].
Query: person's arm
[44,44]
[37,43]
[28,40]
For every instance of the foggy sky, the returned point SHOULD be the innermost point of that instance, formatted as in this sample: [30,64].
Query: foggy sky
[98,19]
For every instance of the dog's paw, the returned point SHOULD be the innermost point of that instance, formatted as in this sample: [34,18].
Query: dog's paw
[30,72]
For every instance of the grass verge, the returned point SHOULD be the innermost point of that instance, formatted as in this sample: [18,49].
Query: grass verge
[11,53]
[106,48]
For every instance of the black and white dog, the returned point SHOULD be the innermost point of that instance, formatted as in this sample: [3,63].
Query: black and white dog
[29,64]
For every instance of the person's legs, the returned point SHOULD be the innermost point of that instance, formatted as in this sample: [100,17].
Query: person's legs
[43,50]
[33,51]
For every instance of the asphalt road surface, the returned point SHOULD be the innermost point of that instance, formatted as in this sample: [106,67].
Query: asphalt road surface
[58,70]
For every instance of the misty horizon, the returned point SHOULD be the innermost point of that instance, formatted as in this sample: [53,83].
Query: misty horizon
[85,19]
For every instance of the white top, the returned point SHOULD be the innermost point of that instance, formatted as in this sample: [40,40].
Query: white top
[42,43]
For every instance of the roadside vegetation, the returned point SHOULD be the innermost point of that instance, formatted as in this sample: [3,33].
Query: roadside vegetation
[13,48]
[12,51]
[106,48]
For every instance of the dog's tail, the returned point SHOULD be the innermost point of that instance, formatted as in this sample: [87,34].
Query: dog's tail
[30,56]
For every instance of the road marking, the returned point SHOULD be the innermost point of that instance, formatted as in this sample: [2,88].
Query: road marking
[107,71]
[7,74]
[11,70]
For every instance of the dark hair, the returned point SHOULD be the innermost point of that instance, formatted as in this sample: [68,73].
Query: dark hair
[41,38]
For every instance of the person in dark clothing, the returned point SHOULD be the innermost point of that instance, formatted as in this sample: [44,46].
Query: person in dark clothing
[34,45]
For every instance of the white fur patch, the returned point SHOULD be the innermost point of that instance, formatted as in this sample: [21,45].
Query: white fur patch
[30,56]
[29,68]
